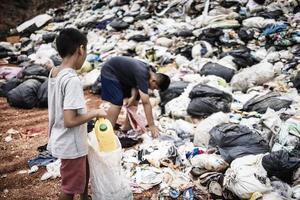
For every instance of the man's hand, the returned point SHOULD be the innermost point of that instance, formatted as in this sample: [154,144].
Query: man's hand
[154,131]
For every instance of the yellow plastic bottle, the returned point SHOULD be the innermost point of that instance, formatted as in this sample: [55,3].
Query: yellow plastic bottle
[105,135]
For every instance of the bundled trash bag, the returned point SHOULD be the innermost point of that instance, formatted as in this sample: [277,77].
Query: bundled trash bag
[175,89]
[107,178]
[25,94]
[9,85]
[282,164]
[217,70]
[234,141]
[255,75]
[43,95]
[33,69]
[247,176]
[207,100]
[271,100]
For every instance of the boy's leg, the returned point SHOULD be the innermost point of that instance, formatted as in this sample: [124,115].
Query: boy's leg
[85,195]
[64,196]
[113,113]
[73,177]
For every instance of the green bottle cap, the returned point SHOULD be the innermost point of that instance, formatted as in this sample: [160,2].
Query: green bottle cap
[103,127]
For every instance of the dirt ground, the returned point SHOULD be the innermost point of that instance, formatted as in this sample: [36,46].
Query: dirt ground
[14,155]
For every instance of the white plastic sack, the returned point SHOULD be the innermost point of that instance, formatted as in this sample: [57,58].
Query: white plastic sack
[202,135]
[255,75]
[257,22]
[246,175]
[107,178]
[211,162]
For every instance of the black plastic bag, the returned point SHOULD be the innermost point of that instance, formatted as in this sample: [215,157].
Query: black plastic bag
[119,25]
[24,95]
[242,57]
[202,90]
[282,164]
[33,69]
[175,89]
[211,35]
[9,85]
[43,95]
[296,81]
[234,141]
[217,70]
[139,38]
[271,100]
[207,100]
[205,106]
[246,34]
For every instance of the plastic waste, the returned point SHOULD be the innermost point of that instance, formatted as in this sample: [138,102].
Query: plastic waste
[107,177]
[247,176]
[105,135]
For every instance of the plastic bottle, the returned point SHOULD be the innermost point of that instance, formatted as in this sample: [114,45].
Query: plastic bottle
[105,135]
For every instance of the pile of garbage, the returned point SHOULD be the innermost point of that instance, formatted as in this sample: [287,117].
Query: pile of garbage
[230,121]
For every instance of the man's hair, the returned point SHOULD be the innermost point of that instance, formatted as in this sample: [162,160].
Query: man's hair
[69,40]
[163,81]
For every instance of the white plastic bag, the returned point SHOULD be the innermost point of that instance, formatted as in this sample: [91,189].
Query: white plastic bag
[246,175]
[211,162]
[202,136]
[255,75]
[107,178]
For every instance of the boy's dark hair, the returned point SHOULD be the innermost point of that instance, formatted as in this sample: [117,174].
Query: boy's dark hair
[163,81]
[69,40]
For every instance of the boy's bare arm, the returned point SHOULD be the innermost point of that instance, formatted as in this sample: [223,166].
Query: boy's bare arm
[72,119]
[148,112]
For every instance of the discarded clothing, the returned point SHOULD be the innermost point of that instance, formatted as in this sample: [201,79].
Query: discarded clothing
[43,159]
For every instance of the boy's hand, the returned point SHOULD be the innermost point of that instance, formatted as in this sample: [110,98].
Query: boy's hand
[130,101]
[98,113]
[154,131]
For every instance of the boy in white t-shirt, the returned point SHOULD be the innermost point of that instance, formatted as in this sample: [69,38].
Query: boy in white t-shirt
[68,115]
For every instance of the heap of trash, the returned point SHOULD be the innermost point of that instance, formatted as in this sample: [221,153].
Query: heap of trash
[230,120]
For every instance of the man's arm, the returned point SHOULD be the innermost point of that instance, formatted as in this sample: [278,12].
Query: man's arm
[72,119]
[148,112]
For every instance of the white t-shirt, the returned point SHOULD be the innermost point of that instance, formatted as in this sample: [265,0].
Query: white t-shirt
[65,92]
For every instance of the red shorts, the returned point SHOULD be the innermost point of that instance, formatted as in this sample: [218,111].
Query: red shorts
[74,174]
